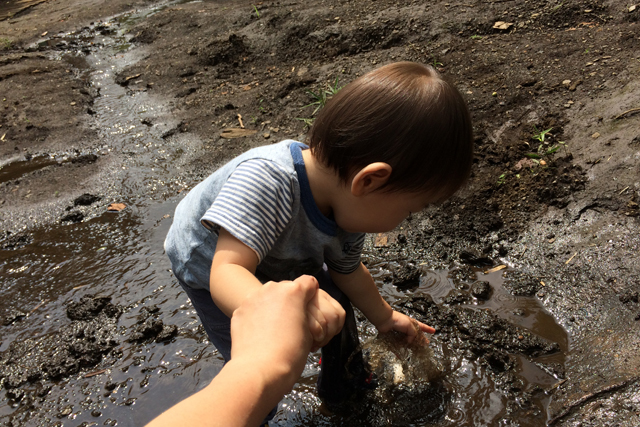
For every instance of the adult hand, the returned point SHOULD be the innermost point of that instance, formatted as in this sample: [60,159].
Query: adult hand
[272,328]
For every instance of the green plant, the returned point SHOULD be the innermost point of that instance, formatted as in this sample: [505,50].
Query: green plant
[322,96]
[256,9]
[502,178]
[476,37]
[5,43]
[540,135]
[307,121]
[435,63]
[544,152]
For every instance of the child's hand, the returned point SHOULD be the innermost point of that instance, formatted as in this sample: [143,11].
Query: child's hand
[326,317]
[405,324]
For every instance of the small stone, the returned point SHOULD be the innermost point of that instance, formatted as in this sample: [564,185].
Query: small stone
[96,413]
[632,8]
[66,411]
[566,82]
[588,10]
[494,94]
[520,337]
[596,135]
[543,163]
[73,103]
[266,135]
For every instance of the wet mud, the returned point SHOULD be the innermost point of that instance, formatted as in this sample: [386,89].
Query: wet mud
[529,274]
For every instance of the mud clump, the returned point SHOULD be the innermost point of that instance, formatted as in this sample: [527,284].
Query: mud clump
[150,327]
[64,352]
[481,290]
[86,200]
[521,284]
[89,307]
[11,241]
[406,277]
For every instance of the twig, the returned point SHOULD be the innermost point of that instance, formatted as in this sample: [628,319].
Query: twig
[240,120]
[500,267]
[623,190]
[523,251]
[589,397]
[39,305]
[93,374]
[633,110]
[569,260]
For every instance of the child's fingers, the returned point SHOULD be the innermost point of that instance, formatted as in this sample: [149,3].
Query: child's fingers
[317,323]
[334,314]
[426,328]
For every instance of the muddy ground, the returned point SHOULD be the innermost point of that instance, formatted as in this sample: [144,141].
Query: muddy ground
[133,102]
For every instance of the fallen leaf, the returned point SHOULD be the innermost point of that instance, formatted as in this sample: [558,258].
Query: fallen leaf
[381,240]
[524,163]
[116,207]
[230,133]
[501,25]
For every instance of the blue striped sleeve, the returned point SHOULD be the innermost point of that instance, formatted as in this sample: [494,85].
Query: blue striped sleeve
[350,259]
[254,205]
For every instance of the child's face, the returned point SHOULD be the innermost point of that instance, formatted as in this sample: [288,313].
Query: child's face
[378,212]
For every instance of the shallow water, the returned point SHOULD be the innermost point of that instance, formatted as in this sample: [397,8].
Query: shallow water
[120,255]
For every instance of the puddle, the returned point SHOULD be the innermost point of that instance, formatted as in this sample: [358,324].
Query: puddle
[474,397]
[15,169]
[11,8]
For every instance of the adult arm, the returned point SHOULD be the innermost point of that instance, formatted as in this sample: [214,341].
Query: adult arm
[270,343]
[363,293]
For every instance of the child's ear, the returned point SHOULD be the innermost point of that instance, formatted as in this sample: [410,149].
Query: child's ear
[370,178]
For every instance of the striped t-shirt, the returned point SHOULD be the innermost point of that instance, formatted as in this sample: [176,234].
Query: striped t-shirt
[263,199]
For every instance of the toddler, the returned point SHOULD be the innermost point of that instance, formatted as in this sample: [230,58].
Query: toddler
[388,144]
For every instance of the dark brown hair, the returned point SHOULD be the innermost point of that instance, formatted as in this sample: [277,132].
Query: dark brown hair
[403,114]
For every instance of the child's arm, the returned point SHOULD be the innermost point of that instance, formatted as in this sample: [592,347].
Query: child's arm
[232,277]
[232,280]
[363,293]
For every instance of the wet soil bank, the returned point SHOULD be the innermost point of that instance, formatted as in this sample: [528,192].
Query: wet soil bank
[530,273]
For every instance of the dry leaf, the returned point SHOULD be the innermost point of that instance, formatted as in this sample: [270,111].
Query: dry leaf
[116,207]
[501,25]
[381,240]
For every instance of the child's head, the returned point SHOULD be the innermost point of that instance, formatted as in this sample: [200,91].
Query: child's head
[403,114]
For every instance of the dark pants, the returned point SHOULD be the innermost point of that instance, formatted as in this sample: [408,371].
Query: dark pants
[343,372]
